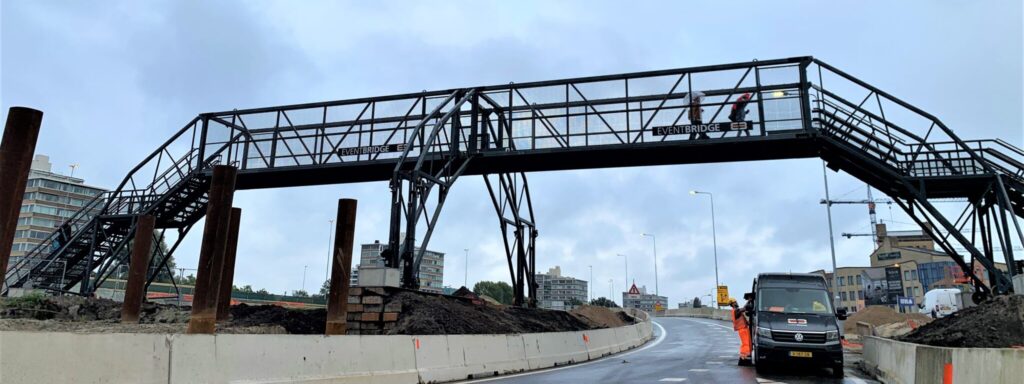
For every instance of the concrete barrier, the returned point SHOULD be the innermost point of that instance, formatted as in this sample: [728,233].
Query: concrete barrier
[898,362]
[178,358]
[706,313]
[58,357]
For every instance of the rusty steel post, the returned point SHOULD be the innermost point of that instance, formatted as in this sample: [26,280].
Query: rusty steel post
[16,149]
[211,253]
[341,267]
[135,291]
[227,275]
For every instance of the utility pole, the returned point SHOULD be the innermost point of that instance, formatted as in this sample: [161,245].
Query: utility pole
[304,268]
[465,278]
[610,290]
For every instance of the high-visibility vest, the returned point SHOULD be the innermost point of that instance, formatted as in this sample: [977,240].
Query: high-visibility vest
[739,323]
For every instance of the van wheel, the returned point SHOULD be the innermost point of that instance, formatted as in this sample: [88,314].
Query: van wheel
[761,367]
[837,371]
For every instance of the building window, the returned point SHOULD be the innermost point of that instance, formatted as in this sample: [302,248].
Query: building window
[841,282]
[906,275]
[849,280]
[859,281]
[860,295]
[843,294]
[910,292]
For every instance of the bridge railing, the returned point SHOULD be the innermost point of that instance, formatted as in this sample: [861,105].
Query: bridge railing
[929,148]
[590,111]
[41,257]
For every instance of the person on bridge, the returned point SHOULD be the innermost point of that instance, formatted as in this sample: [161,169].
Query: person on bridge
[695,114]
[739,112]
[739,324]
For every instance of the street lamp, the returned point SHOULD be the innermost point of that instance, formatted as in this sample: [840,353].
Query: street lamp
[714,236]
[655,239]
[625,262]
[590,284]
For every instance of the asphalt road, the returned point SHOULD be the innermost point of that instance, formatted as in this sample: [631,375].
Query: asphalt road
[683,350]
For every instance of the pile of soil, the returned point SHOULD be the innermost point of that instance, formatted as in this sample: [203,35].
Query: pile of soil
[423,314]
[601,317]
[997,323]
[881,315]
[437,315]
[294,321]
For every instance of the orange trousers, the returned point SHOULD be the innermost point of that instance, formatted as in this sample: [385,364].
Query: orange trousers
[744,343]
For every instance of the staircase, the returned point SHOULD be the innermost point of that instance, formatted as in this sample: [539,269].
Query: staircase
[94,241]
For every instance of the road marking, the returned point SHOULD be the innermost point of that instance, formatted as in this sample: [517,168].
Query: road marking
[698,370]
[655,343]
[713,362]
[674,379]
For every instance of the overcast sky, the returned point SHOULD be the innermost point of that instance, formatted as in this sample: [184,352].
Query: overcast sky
[116,79]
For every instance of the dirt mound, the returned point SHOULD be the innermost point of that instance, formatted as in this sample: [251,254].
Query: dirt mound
[601,317]
[294,321]
[436,315]
[880,315]
[998,323]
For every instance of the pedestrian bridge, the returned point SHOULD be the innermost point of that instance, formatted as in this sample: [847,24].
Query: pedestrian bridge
[422,142]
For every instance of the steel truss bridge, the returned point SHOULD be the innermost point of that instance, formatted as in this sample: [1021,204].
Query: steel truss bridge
[421,143]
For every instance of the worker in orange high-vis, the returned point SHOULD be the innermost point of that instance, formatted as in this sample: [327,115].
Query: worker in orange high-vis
[739,324]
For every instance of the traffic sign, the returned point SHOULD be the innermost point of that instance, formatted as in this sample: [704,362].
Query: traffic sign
[723,295]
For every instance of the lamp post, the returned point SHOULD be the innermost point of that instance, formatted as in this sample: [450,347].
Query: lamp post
[655,239]
[465,278]
[590,285]
[330,253]
[625,262]
[714,236]
[304,268]
[831,237]
[610,290]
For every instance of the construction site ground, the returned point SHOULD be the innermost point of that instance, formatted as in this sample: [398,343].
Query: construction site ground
[422,314]
[997,323]
[887,322]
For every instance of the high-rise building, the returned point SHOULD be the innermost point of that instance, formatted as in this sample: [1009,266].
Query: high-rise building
[431,267]
[555,291]
[639,298]
[50,199]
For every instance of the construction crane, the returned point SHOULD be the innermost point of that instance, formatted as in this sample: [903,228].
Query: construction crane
[871,202]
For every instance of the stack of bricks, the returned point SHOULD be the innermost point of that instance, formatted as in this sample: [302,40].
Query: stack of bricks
[370,312]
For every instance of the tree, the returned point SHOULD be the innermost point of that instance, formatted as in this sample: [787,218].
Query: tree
[243,289]
[498,290]
[325,289]
[696,302]
[162,276]
[300,293]
[262,292]
[603,302]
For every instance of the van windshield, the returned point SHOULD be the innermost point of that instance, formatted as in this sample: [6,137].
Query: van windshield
[794,300]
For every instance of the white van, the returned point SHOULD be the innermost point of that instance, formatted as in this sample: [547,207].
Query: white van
[941,302]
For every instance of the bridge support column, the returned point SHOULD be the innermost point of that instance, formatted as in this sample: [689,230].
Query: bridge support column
[211,253]
[227,275]
[341,268]
[135,291]
[16,149]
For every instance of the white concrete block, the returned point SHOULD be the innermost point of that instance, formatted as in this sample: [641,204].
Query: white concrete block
[293,359]
[59,357]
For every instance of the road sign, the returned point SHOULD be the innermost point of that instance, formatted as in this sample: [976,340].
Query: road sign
[658,307]
[723,295]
